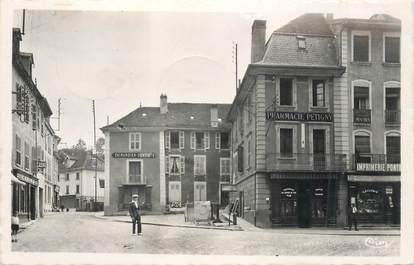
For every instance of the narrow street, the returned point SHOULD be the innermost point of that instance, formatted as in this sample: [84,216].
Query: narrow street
[84,232]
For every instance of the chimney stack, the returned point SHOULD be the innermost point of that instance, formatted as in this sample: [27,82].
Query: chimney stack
[258,40]
[163,104]
[214,115]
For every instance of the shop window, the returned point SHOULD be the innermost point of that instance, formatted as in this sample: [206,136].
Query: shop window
[286,92]
[135,141]
[318,93]
[370,200]
[135,171]
[393,146]
[391,49]
[199,165]
[18,151]
[362,149]
[224,166]
[288,201]
[174,140]
[361,48]
[286,142]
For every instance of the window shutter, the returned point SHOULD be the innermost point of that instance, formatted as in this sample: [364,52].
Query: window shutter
[182,164]
[167,164]
[192,145]
[207,140]
[167,140]
[218,140]
[181,139]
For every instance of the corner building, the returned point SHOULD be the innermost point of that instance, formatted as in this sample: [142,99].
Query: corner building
[169,155]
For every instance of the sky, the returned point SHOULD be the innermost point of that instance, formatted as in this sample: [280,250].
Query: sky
[127,59]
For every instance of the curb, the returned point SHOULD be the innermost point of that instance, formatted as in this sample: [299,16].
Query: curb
[235,228]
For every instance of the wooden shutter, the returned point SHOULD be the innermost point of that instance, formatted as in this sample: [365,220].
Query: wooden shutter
[207,140]
[182,164]
[181,139]
[167,140]
[193,140]
[218,140]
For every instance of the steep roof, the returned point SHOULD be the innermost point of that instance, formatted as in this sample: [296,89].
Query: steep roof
[83,159]
[282,47]
[178,116]
[310,23]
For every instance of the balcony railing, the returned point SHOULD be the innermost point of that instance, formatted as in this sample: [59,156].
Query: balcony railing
[376,162]
[362,116]
[306,162]
[392,117]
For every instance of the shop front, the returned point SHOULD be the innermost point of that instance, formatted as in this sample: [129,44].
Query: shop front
[377,198]
[127,190]
[303,200]
[24,195]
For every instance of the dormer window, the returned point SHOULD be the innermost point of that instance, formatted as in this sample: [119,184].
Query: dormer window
[301,42]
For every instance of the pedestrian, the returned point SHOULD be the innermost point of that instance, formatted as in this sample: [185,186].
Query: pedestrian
[353,217]
[62,207]
[135,216]
[14,226]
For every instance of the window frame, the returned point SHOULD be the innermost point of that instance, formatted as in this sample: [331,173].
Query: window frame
[204,173]
[26,160]
[170,139]
[325,94]
[170,165]
[391,133]
[134,148]
[127,169]
[77,176]
[77,189]
[294,128]
[390,84]
[222,159]
[360,33]
[361,132]
[67,177]
[294,92]
[18,150]
[391,35]
[361,83]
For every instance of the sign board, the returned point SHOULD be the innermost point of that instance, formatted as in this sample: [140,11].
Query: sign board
[378,167]
[299,116]
[133,155]
[27,179]
[365,178]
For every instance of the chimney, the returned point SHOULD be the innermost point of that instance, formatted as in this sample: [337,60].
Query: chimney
[163,104]
[329,17]
[214,115]
[258,40]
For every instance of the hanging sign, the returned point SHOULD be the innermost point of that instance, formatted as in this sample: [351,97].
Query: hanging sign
[133,155]
[299,116]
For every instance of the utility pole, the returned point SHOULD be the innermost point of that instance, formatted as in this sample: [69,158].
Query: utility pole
[24,18]
[235,61]
[96,157]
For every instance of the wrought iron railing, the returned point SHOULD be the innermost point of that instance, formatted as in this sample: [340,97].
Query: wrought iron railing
[375,159]
[362,116]
[306,162]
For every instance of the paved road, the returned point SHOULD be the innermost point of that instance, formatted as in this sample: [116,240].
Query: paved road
[83,232]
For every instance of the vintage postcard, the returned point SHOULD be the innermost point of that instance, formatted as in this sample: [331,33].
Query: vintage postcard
[206,133]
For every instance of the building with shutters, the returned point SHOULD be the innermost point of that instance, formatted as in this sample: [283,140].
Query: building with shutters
[169,155]
[76,179]
[301,154]
[34,141]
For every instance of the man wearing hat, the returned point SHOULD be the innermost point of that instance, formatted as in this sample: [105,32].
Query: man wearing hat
[134,213]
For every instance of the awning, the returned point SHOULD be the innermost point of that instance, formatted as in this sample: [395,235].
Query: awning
[16,180]
[374,178]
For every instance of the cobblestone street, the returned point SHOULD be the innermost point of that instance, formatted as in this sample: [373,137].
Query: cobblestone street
[84,232]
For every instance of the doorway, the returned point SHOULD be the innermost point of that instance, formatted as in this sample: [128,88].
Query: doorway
[199,191]
[32,203]
[304,198]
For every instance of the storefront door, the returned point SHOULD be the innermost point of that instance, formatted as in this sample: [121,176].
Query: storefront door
[304,196]
[288,203]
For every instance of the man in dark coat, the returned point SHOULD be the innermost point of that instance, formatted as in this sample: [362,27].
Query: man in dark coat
[134,213]
[353,211]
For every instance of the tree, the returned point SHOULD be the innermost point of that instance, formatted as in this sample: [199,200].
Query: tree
[100,143]
[81,145]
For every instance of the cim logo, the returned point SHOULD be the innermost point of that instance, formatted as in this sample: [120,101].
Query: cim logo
[375,243]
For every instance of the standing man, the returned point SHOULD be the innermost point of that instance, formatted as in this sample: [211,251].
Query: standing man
[353,214]
[134,213]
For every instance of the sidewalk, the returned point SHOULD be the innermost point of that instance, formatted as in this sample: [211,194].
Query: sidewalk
[171,220]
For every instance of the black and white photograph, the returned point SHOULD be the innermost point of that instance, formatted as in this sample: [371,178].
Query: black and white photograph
[277,133]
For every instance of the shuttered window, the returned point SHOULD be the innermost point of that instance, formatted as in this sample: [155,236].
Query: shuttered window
[362,144]
[392,49]
[135,171]
[393,149]
[361,48]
